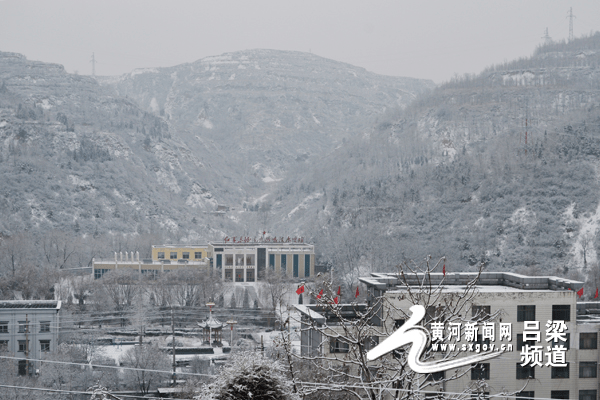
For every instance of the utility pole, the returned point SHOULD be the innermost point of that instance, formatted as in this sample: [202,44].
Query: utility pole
[26,344]
[93,61]
[571,16]
[173,347]
[526,118]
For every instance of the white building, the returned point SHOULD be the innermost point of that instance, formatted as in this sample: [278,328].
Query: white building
[513,300]
[29,330]
[251,261]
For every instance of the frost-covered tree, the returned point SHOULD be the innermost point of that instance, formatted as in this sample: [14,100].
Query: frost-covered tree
[250,376]
[353,329]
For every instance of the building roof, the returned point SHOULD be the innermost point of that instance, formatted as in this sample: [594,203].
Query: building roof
[211,322]
[38,304]
[179,246]
[391,281]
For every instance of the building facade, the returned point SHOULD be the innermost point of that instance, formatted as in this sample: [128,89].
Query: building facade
[165,258]
[530,306]
[233,261]
[249,262]
[29,330]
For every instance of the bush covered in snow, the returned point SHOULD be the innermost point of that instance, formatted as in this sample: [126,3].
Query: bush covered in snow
[250,376]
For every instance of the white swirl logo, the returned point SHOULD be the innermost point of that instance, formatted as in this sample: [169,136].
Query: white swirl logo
[418,336]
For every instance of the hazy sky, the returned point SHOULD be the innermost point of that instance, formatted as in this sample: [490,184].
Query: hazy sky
[419,38]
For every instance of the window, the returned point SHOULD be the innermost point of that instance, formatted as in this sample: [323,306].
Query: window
[481,313]
[588,340]
[229,260]
[525,313]
[480,371]
[529,394]
[185,255]
[45,345]
[526,372]
[521,343]
[295,265]
[239,275]
[249,259]
[283,263]
[3,345]
[566,344]
[161,255]
[337,346]
[560,373]
[249,275]
[198,254]
[370,342]
[228,275]
[173,255]
[22,345]
[272,261]
[23,326]
[44,326]
[559,394]
[436,376]
[99,273]
[588,369]
[239,259]
[3,326]
[588,395]
[307,265]
[561,312]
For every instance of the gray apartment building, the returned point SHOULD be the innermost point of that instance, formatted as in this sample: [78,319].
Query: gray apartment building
[529,307]
[29,330]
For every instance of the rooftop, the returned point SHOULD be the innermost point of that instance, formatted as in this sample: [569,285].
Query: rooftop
[39,304]
[391,281]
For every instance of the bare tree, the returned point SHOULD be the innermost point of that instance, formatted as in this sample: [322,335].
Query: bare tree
[336,338]
[148,359]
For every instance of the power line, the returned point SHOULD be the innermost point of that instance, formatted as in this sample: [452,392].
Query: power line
[74,391]
[106,366]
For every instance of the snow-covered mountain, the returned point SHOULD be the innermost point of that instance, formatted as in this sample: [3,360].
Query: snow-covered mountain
[499,168]
[159,150]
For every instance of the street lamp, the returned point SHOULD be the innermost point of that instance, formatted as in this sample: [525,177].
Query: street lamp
[231,324]
[210,305]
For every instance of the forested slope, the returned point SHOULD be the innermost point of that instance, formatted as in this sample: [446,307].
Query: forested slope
[499,168]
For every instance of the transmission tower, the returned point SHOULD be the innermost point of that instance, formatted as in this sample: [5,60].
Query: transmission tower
[571,16]
[93,61]
[546,37]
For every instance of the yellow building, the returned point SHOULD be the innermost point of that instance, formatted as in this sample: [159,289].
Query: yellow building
[246,261]
[194,252]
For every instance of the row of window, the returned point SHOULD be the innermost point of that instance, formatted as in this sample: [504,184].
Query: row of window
[239,259]
[560,394]
[587,369]
[24,328]
[184,255]
[560,312]
[44,345]
[239,275]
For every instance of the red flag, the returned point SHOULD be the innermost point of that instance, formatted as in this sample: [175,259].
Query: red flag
[444,269]
[580,292]
[335,300]
[300,290]
[357,293]
[596,295]
[320,294]
[339,290]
